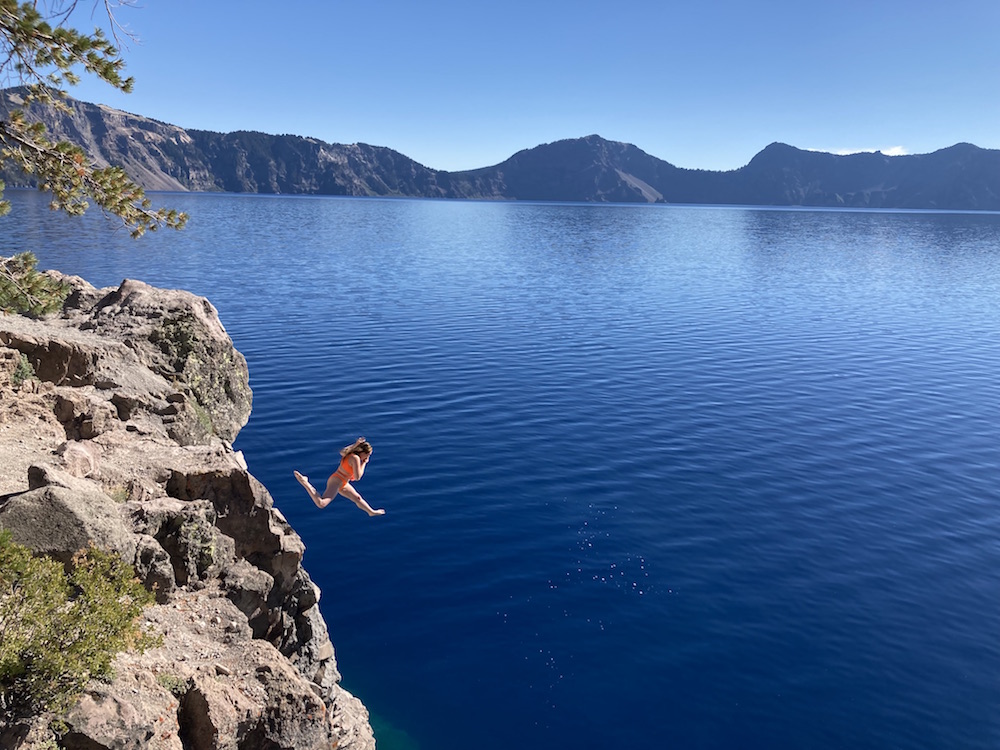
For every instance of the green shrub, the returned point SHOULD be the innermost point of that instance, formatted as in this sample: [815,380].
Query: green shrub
[59,630]
[25,290]
[119,493]
[22,371]
[173,683]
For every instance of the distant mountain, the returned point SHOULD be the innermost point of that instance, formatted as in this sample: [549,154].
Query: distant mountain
[160,156]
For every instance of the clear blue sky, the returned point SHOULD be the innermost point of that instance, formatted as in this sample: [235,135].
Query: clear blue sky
[458,85]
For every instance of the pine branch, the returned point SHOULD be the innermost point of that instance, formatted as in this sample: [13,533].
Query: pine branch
[61,170]
[37,48]
[25,290]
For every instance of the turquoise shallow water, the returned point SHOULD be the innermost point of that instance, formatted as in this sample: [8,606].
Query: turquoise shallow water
[655,476]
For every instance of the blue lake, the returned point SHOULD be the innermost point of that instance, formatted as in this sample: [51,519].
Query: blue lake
[655,476]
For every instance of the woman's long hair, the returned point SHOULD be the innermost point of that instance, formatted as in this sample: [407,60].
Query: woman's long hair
[358,446]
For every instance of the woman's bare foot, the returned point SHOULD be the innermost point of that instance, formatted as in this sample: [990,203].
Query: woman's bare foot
[313,495]
[379,512]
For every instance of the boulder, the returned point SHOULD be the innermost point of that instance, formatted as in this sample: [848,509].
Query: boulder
[80,459]
[304,723]
[154,567]
[137,715]
[84,414]
[62,515]
[181,338]
[216,716]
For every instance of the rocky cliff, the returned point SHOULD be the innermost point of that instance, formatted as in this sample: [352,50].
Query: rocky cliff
[160,156]
[122,438]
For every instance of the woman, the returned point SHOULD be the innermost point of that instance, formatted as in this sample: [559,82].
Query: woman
[354,459]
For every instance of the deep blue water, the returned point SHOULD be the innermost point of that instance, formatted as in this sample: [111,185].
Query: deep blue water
[688,477]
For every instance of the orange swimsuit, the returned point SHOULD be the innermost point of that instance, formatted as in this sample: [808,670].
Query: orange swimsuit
[345,472]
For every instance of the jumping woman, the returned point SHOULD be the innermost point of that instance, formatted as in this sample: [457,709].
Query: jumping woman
[353,460]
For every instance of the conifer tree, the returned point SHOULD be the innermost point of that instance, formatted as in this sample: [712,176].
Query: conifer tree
[59,628]
[41,52]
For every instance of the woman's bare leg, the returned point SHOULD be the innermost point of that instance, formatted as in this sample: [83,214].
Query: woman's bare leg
[332,486]
[352,494]
[321,502]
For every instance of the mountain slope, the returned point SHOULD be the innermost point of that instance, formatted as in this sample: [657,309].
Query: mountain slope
[160,156]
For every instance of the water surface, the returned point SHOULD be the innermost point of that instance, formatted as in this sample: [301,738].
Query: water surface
[655,476]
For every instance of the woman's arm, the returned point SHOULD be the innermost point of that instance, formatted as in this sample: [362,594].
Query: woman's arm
[358,464]
[347,449]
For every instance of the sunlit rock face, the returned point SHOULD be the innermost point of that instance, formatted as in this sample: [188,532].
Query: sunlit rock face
[122,438]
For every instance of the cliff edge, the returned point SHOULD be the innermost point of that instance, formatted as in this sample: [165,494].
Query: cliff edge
[119,434]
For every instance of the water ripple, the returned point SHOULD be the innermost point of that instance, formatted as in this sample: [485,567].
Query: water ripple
[656,476]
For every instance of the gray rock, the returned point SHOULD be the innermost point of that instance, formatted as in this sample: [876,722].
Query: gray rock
[80,459]
[62,517]
[249,588]
[246,514]
[136,716]
[154,567]
[84,415]
[215,716]
[181,337]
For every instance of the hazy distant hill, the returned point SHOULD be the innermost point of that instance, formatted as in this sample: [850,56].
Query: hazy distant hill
[165,157]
